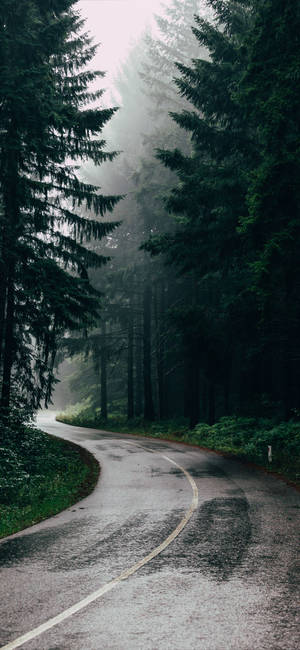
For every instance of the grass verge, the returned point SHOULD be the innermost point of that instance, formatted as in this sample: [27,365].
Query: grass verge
[40,475]
[246,439]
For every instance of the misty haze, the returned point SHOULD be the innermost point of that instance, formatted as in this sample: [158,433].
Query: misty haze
[149,324]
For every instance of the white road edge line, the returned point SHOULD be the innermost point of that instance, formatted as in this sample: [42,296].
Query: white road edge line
[123,576]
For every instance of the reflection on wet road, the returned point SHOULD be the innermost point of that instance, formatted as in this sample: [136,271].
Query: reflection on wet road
[229,580]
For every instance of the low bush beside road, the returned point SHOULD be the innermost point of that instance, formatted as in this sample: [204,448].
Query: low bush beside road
[39,475]
[251,438]
[245,438]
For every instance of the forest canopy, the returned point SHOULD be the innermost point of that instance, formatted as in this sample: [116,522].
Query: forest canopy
[47,125]
[191,307]
[202,294]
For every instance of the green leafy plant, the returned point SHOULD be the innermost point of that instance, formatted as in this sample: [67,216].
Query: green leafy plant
[247,438]
[39,476]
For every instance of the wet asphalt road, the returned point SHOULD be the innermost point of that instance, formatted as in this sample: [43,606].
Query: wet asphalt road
[230,580]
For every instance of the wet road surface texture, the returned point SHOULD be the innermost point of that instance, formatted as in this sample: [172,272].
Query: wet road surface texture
[229,580]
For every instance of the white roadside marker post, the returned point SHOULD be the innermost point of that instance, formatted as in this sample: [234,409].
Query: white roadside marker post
[269,453]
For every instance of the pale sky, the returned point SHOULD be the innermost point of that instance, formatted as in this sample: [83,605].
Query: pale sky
[115,24]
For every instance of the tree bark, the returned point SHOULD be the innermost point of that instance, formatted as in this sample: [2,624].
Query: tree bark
[8,354]
[130,390]
[3,295]
[159,309]
[211,403]
[148,396]
[186,389]
[11,216]
[139,370]
[194,386]
[103,371]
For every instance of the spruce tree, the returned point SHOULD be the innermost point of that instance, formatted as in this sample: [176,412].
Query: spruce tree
[269,94]
[208,199]
[47,125]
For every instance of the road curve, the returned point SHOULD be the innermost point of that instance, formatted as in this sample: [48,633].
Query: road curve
[224,575]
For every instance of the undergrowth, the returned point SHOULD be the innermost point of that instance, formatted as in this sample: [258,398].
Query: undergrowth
[88,417]
[39,475]
[249,438]
[245,438]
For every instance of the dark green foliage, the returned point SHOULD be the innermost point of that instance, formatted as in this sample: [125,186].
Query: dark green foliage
[139,290]
[247,438]
[250,438]
[207,201]
[220,215]
[39,475]
[45,124]
[269,94]
[80,415]
[244,125]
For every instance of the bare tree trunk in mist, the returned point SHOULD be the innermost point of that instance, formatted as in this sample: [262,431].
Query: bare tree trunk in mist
[103,370]
[159,311]
[139,369]
[130,380]
[148,396]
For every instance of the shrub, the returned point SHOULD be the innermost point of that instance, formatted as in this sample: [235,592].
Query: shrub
[250,438]
[246,437]
[39,475]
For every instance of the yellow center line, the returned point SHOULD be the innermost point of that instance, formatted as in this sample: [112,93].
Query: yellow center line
[123,576]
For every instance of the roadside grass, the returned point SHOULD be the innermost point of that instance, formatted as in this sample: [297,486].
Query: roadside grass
[87,417]
[245,438]
[40,475]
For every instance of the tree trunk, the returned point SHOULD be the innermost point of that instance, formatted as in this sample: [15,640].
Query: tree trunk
[159,308]
[138,370]
[211,403]
[186,389]
[3,295]
[194,386]
[103,371]
[11,216]
[148,398]
[204,399]
[130,395]
[8,354]
[226,387]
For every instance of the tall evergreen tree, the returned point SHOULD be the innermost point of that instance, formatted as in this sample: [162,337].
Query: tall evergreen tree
[270,97]
[46,122]
[208,199]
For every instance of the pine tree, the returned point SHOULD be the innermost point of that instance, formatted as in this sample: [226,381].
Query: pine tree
[46,122]
[208,199]
[174,42]
[269,94]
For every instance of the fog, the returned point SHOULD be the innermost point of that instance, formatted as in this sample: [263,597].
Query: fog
[139,52]
[149,228]
[116,25]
